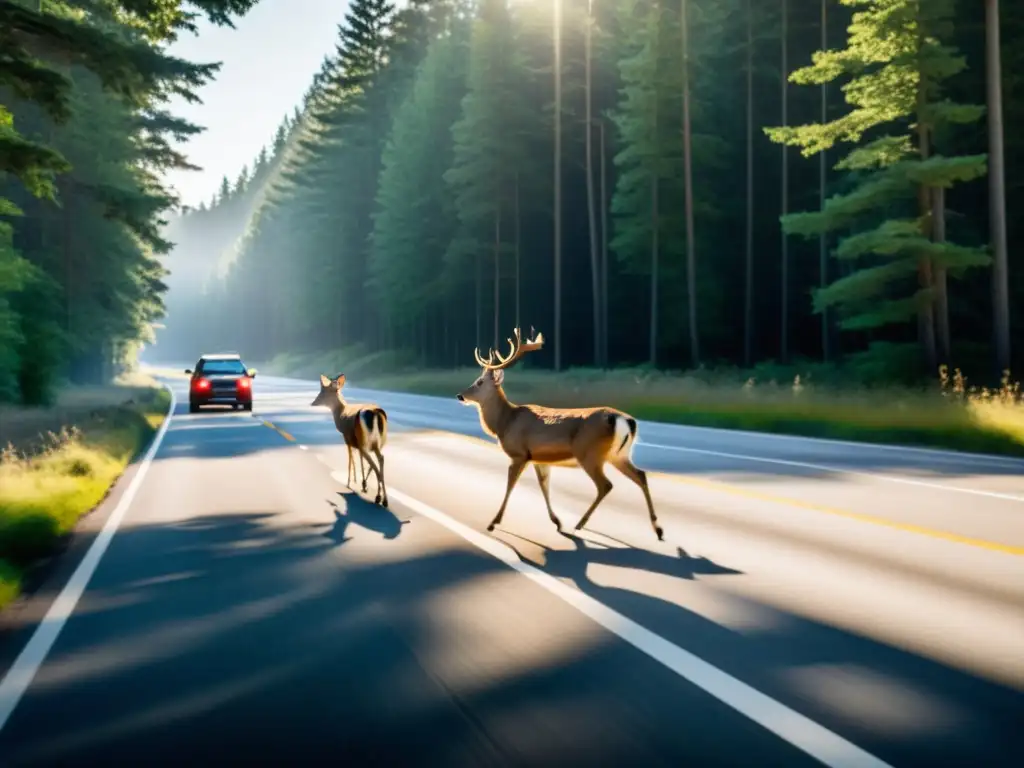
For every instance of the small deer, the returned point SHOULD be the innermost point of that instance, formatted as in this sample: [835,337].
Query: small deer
[362,426]
[563,437]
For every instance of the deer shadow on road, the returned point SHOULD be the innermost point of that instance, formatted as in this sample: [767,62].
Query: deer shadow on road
[355,510]
[572,564]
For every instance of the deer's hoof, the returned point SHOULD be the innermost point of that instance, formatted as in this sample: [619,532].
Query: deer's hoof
[384,503]
[660,532]
[490,527]
[376,499]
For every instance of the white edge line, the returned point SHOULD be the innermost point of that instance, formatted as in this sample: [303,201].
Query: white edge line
[800,731]
[839,470]
[949,454]
[937,452]
[22,672]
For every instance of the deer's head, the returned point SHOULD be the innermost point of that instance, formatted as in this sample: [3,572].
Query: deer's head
[330,390]
[488,385]
[484,388]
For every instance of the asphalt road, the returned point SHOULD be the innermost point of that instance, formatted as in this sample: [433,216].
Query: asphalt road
[813,603]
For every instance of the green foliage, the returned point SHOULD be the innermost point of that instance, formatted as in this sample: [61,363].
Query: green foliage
[83,141]
[415,214]
[408,203]
[897,61]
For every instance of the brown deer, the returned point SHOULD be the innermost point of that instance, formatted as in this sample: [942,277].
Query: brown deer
[362,426]
[547,437]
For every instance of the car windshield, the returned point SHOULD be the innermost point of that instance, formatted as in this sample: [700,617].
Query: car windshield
[216,367]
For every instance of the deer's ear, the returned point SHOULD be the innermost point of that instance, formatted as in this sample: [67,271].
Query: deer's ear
[498,376]
[324,381]
[340,380]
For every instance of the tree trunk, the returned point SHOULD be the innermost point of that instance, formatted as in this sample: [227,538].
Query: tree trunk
[518,252]
[748,295]
[558,184]
[595,273]
[939,277]
[497,276]
[479,298]
[604,252]
[784,183]
[926,310]
[691,256]
[997,190]
[826,339]
[654,271]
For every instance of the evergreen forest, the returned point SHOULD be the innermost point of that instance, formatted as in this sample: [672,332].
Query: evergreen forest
[680,184]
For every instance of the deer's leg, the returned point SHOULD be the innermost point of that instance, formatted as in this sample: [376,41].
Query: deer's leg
[544,478]
[380,478]
[515,469]
[351,467]
[595,469]
[638,476]
[362,466]
[376,471]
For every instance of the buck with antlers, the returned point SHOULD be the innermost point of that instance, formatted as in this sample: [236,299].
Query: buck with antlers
[573,437]
[363,427]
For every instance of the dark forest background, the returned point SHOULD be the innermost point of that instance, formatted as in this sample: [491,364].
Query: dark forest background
[718,183]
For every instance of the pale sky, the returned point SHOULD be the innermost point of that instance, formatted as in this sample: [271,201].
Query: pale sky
[268,62]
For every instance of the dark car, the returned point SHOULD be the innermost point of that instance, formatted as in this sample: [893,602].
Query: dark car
[220,380]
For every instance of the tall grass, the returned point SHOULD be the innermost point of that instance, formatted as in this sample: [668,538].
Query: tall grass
[49,482]
[950,413]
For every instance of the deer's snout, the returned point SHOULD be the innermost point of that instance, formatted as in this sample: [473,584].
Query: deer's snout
[460,398]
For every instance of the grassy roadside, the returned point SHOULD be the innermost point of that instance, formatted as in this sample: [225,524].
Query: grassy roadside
[950,415]
[59,464]
[980,422]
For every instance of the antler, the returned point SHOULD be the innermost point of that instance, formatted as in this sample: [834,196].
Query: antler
[517,349]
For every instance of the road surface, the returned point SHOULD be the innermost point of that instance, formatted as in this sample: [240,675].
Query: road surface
[813,603]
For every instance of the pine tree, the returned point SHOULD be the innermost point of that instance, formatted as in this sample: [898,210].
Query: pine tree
[242,182]
[224,192]
[490,147]
[416,217]
[898,62]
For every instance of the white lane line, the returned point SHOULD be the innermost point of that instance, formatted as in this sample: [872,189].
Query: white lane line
[839,470]
[22,672]
[400,417]
[417,401]
[430,405]
[800,731]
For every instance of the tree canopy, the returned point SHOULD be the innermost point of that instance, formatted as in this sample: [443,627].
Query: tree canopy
[406,212]
[85,138]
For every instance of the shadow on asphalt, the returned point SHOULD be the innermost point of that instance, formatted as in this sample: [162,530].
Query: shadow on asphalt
[573,564]
[268,641]
[360,512]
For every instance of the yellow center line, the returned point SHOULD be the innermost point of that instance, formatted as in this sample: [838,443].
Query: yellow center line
[722,487]
[279,431]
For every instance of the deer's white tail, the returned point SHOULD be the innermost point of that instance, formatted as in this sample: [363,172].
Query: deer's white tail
[625,436]
[376,429]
